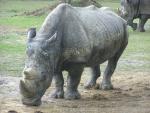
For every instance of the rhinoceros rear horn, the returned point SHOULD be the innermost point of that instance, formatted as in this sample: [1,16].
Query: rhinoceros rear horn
[31,33]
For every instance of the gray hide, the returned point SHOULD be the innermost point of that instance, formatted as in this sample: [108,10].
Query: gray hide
[70,39]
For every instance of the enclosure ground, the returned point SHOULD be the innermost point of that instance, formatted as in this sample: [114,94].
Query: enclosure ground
[131,95]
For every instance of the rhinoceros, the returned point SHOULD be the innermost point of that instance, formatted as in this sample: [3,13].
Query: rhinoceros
[70,39]
[132,9]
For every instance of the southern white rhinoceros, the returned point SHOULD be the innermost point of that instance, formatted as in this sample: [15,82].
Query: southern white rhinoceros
[132,9]
[70,39]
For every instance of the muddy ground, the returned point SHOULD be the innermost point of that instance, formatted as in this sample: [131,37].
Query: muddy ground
[131,95]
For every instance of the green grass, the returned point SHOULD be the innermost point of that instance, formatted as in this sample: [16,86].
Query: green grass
[137,54]
[22,21]
[12,7]
[12,54]
[113,5]
[12,43]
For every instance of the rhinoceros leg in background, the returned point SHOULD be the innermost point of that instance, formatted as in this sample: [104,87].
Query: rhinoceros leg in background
[111,66]
[73,79]
[133,25]
[59,86]
[95,73]
[142,22]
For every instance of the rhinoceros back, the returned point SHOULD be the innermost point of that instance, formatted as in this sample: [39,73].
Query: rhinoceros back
[144,7]
[92,31]
[86,33]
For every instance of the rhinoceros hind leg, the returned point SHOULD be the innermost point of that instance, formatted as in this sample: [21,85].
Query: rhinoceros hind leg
[106,82]
[111,66]
[57,94]
[73,81]
[95,73]
[143,19]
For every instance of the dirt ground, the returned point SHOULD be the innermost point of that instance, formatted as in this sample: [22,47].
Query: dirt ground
[131,95]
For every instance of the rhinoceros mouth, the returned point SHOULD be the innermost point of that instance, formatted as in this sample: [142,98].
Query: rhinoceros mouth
[29,97]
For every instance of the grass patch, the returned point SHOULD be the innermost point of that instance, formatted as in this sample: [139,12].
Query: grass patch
[113,5]
[13,7]
[23,21]
[136,57]
[12,54]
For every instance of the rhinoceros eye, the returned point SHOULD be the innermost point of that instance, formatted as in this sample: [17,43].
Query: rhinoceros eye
[29,51]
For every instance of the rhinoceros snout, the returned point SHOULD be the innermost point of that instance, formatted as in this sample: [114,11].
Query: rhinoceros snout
[30,73]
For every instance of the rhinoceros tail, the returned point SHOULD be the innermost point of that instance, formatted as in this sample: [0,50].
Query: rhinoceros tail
[126,34]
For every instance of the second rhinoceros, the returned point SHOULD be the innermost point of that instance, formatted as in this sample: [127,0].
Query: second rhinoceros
[132,9]
[70,39]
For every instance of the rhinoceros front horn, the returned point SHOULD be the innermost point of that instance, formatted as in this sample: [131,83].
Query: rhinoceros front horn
[24,90]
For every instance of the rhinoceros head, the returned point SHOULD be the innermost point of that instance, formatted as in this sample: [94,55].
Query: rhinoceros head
[39,68]
[127,9]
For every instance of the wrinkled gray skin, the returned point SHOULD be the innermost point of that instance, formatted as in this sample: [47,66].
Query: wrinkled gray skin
[70,39]
[132,9]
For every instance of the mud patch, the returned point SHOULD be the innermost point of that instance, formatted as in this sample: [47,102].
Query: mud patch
[12,111]
[99,97]
[131,95]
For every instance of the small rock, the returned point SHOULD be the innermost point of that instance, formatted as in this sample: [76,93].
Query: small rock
[99,97]
[38,112]
[12,111]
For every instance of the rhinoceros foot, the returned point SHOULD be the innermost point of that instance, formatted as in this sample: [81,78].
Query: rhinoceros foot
[57,94]
[91,85]
[106,86]
[141,29]
[71,95]
[134,26]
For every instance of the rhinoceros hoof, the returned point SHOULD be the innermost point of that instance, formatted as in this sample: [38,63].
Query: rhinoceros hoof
[134,27]
[91,85]
[71,95]
[106,86]
[142,30]
[57,94]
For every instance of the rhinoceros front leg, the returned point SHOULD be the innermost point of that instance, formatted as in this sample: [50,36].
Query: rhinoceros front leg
[95,73]
[133,25]
[73,80]
[142,22]
[59,84]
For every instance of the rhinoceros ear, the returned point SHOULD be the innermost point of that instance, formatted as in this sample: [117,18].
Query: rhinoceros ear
[53,38]
[31,33]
